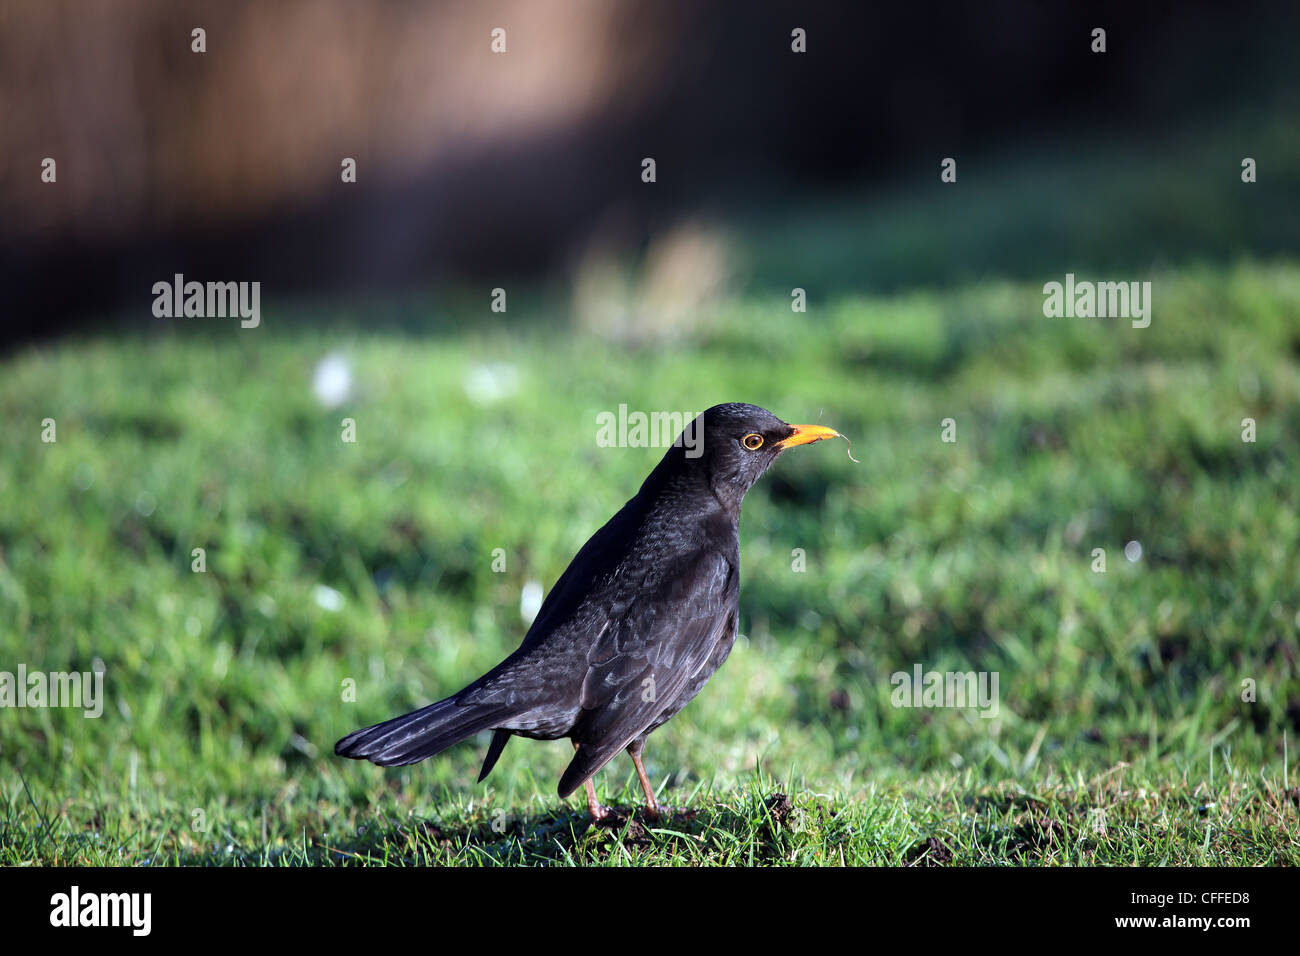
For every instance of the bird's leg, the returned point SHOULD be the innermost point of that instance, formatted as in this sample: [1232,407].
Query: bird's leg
[651,804]
[598,812]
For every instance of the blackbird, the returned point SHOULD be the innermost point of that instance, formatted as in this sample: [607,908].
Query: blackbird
[642,617]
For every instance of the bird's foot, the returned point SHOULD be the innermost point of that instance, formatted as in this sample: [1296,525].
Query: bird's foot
[662,812]
[624,824]
[600,814]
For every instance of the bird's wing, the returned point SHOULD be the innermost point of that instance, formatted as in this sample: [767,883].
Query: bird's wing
[546,670]
[644,659]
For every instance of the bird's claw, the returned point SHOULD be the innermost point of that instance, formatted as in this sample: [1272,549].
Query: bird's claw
[663,813]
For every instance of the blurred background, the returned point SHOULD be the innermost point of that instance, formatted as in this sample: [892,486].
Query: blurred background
[526,165]
[373,561]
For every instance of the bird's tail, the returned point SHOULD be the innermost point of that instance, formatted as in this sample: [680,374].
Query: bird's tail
[419,734]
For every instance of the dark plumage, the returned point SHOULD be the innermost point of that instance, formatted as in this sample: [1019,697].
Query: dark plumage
[642,617]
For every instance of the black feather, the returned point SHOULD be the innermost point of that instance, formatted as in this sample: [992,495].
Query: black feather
[417,735]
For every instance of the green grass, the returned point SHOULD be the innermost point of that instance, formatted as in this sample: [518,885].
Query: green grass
[1121,693]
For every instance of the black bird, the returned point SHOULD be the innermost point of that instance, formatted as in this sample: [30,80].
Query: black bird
[642,617]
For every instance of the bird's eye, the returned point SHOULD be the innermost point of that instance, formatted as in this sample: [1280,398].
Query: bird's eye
[752,441]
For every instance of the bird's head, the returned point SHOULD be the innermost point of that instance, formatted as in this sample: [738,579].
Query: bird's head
[730,446]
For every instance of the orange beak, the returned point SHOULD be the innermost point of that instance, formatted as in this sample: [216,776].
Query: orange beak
[806,435]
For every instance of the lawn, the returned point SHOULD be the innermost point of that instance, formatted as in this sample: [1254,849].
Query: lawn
[346,582]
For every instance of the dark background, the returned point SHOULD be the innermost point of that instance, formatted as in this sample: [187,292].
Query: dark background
[475,166]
